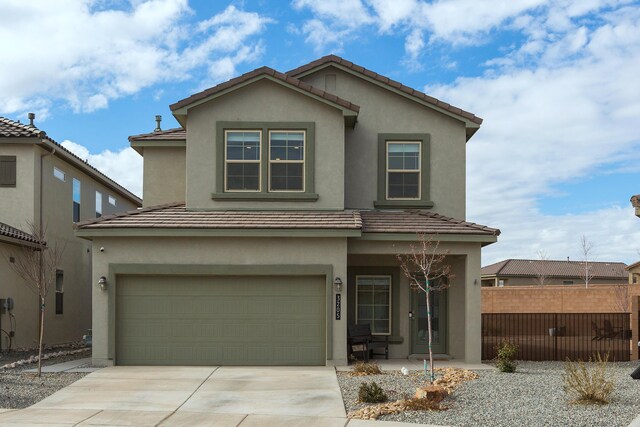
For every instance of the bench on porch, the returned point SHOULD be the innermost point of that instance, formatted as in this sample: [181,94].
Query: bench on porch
[361,340]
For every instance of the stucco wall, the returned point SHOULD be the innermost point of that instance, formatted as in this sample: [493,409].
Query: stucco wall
[265,101]
[210,251]
[382,111]
[164,175]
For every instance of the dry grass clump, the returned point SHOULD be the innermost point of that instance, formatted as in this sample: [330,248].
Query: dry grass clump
[588,384]
[365,368]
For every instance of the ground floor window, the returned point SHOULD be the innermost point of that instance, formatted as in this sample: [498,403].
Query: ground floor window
[373,302]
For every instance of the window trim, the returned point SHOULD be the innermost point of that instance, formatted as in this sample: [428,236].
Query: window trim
[390,277]
[424,200]
[73,199]
[99,206]
[61,175]
[227,161]
[10,159]
[388,171]
[308,195]
[303,161]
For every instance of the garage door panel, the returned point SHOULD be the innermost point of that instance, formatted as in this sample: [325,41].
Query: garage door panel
[260,320]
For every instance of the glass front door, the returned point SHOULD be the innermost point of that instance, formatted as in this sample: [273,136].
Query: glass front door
[419,329]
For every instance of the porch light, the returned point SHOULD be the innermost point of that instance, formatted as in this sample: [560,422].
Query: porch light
[338,283]
[102,282]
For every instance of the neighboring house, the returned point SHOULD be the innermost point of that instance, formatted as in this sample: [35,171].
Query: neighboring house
[634,273]
[635,202]
[272,220]
[43,183]
[527,272]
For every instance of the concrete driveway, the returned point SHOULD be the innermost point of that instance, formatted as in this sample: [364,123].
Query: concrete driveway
[187,396]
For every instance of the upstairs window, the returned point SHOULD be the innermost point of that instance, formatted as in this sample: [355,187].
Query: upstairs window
[242,160]
[59,292]
[98,204]
[403,170]
[59,174]
[7,171]
[112,200]
[76,200]
[286,160]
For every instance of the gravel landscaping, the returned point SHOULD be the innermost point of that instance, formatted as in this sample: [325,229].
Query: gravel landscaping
[20,389]
[531,396]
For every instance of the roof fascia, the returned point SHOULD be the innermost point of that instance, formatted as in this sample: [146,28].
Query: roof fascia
[17,242]
[414,237]
[140,145]
[231,232]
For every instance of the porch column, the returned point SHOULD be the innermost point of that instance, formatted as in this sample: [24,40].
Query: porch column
[473,309]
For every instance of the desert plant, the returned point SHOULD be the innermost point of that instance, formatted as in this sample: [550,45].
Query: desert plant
[590,383]
[505,354]
[371,393]
[366,368]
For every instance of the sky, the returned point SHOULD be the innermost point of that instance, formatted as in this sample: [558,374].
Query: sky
[555,81]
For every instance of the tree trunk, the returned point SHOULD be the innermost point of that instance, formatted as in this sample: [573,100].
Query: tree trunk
[431,373]
[41,336]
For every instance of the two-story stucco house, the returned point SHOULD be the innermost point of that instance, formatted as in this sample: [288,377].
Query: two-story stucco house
[43,184]
[272,219]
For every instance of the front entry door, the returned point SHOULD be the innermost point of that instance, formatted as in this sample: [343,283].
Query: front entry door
[419,329]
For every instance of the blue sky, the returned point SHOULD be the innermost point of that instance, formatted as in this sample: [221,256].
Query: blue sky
[556,82]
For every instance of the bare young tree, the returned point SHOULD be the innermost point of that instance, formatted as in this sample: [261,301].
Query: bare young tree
[427,271]
[37,267]
[539,266]
[586,253]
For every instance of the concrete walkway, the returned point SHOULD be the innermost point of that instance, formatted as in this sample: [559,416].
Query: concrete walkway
[192,396]
[78,365]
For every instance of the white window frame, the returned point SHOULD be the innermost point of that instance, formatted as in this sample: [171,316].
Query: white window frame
[99,202]
[388,171]
[259,161]
[303,161]
[59,174]
[112,200]
[390,300]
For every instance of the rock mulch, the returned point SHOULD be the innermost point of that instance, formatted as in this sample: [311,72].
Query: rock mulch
[532,396]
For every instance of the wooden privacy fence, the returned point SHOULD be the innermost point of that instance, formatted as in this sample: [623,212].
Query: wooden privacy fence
[558,336]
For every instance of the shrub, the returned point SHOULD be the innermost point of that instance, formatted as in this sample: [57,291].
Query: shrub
[366,368]
[505,354]
[588,384]
[371,393]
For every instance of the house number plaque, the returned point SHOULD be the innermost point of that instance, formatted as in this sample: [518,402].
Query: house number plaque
[338,306]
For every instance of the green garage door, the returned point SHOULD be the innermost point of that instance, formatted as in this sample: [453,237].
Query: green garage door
[220,320]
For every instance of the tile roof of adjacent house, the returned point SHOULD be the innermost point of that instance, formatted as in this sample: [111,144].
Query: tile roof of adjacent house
[635,201]
[415,221]
[385,80]
[176,216]
[634,265]
[532,268]
[15,233]
[176,134]
[12,129]
[267,72]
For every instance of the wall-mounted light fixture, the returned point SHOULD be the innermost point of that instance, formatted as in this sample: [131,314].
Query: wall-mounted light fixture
[102,282]
[338,283]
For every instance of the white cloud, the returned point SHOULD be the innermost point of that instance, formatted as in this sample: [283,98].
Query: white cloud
[88,56]
[123,166]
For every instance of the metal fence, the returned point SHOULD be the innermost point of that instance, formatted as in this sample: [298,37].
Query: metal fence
[558,336]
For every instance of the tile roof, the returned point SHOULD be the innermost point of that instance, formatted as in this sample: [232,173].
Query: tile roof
[176,216]
[13,129]
[418,221]
[387,81]
[531,268]
[632,266]
[635,201]
[15,233]
[268,72]
[176,134]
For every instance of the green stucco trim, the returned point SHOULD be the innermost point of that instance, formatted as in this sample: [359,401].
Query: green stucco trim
[265,127]
[219,270]
[414,237]
[267,197]
[178,232]
[425,140]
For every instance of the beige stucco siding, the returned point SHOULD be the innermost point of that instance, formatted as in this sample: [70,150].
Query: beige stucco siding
[265,101]
[219,251]
[383,111]
[17,204]
[164,175]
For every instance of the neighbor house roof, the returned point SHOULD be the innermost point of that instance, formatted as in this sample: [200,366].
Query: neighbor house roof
[415,221]
[635,202]
[334,59]
[176,134]
[176,216]
[533,268]
[15,235]
[13,129]
[632,266]
[269,72]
